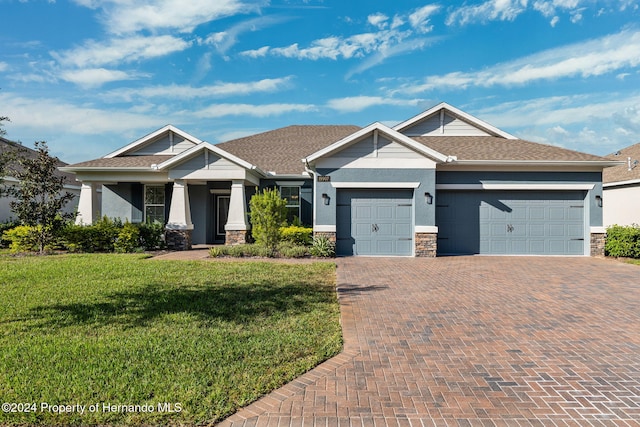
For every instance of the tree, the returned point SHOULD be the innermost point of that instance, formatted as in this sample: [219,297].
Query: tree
[268,213]
[5,156]
[39,198]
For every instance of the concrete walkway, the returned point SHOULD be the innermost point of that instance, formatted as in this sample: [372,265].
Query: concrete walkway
[473,341]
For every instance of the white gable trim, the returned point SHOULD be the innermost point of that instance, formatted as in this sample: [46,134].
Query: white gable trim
[456,112]
[167,164]
[145,139]
[385,130]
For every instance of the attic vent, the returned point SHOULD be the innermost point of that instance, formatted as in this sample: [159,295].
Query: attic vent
[631,165]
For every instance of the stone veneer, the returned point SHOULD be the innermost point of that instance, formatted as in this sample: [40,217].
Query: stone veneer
[178,240]
[597,243]
[236,237]
[426,244]
[331,235]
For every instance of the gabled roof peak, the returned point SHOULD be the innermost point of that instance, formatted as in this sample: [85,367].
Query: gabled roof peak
[466,117]
[150,137]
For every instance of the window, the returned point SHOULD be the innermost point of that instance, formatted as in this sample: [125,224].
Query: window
[154,203]
[292,195]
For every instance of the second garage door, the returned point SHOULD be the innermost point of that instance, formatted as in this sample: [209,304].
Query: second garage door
[374,222]
[510,222]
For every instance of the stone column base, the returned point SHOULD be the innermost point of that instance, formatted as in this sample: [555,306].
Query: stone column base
[331,235]
[236,237]
[178,240]
[426,244]
[597,243]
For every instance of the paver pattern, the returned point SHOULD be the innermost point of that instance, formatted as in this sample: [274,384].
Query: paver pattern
[473,341]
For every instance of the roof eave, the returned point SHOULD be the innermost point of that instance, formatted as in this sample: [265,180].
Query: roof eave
[600,163]
[621,183]
[106,169]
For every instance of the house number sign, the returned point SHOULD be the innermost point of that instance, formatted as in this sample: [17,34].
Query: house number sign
[326,178]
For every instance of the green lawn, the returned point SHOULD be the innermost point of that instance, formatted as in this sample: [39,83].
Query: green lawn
[206,337]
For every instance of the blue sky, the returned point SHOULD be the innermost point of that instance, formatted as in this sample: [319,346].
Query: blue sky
[90,76]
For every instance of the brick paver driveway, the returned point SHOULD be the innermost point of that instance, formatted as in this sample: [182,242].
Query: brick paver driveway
[474,341]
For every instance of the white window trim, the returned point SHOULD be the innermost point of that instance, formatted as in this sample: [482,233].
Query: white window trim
[164,205]
[299,187]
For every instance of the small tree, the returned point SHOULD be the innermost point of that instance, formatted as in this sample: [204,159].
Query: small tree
[268,212]
[5,156]
[39,195]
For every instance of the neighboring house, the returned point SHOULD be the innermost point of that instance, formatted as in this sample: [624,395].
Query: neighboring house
[70,182]
[442,182]
[622,188]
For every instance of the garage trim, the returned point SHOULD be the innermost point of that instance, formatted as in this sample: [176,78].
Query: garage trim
[374,185]
[499,186]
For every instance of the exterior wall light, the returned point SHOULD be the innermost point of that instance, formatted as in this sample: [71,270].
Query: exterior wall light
[326,198]
[599,201]
[428,197]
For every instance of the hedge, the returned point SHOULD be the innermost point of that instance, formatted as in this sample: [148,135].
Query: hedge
[623,241]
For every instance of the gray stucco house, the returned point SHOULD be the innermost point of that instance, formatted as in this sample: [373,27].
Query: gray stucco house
[622,188]
[442,182]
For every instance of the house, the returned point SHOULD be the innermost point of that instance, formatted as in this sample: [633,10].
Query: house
[442,182]
[70,183]
[622,188]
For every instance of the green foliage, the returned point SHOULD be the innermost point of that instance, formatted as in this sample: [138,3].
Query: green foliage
[322,247]
[6,226]
[39,198]
[108,235]
[623,241]
[128,239]
[240,251]
[21,238]
[292,250]
[297,235]
[151,235]
[268,213]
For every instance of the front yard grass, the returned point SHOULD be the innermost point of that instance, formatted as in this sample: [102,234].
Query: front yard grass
[205,337]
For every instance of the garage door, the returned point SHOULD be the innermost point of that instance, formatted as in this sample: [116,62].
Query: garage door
[374,222]
[510,222]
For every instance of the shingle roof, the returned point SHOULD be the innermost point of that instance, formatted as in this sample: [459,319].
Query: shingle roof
[282,150]
[7,145]
[495,148]
[622,172]
[122,162]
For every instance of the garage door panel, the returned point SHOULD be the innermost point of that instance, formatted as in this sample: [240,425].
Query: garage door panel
[513,222]
[380,222]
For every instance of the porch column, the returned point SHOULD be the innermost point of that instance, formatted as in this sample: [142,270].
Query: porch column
[88,205]
[179,227]
[237,224]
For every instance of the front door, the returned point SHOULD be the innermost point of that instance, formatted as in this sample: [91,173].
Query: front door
[222,212]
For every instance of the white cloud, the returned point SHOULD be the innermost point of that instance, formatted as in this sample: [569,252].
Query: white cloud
[120,50]
[53,116]
[492,10]
[224,40]
[3,66]
[219,90]
[590,58]
[251,110]
[95,77]
[125,17]
[256,53]
[419,19]
[379,20]
[359,103]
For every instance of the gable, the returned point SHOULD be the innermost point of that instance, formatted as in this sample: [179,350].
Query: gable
[165,144]
[443,123]
[205,160]
[376,147]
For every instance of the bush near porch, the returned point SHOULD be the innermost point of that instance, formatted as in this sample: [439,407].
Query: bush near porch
[106,235]
[124,330]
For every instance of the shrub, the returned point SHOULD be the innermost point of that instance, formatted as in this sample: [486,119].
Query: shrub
[218,251]
[22,238]
[291,250]
[322,247]
[297,235]
[268,213]
[151,236]
[6,226]
[128,239]
[623,241]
